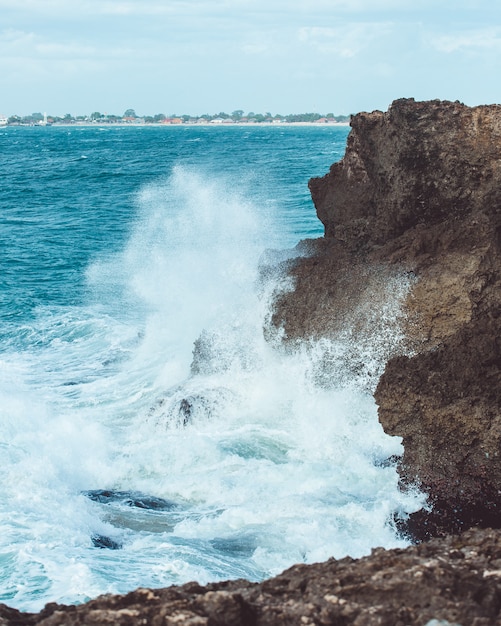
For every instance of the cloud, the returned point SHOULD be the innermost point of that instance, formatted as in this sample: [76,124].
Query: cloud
[61,10]
[345,41]
[342,55]
[79,8]
[485,39]
[16,39]
[255,47]
[21,44]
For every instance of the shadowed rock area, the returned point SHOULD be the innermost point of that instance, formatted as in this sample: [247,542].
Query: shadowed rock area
[442,582]
[418,193]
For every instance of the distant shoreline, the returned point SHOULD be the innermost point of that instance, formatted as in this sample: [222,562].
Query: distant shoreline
[182,125]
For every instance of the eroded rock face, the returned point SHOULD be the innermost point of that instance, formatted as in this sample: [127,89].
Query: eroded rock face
[419,192]
[450,581]
[419,163]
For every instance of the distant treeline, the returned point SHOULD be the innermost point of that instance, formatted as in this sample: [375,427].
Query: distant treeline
[130,116]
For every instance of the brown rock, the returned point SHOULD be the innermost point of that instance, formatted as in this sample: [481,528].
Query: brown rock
[457,580]
[418,194]
[419,163]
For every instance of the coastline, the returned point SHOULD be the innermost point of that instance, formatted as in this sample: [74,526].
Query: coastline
[160,125]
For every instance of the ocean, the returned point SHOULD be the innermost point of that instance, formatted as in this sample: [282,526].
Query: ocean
[149,435]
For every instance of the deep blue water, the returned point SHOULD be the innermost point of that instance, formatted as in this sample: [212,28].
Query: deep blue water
[120,250]
[68,193]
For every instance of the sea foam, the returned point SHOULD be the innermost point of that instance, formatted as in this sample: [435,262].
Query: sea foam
[162,384]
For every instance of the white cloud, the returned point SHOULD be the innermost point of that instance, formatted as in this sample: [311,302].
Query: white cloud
[262,43]
[15,38]
[79,8]
[345,41]
[19,44]
[471,40]
[200,54]
[255,48]
[61,51]
[65,8]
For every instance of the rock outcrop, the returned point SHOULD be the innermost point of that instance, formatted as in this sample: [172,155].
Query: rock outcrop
[418,193]
[442,582]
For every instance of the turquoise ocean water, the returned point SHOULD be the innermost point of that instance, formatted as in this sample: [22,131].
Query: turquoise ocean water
[126,461]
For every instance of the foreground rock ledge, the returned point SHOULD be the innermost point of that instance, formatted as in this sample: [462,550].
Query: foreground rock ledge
[457,580]
[418,193]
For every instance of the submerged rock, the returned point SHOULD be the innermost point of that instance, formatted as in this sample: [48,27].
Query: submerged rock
[130,498]
[450,581]
[418,193]
[190,404]
[101,541]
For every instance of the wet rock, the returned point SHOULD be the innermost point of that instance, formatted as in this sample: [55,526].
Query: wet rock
[130,498]
[219,351]
[190,404]
[100,541]
[418,194]
[456,580]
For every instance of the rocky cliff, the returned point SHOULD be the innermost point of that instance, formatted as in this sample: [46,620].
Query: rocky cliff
[418,193]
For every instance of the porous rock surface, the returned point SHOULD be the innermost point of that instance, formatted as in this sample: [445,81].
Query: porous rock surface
[418,194]
[438,583]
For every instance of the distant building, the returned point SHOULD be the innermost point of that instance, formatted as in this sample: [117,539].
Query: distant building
[130,119]
[3,120]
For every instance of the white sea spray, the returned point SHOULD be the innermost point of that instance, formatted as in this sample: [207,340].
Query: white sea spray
[163,384]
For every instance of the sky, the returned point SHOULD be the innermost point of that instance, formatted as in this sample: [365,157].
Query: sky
[278,56]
